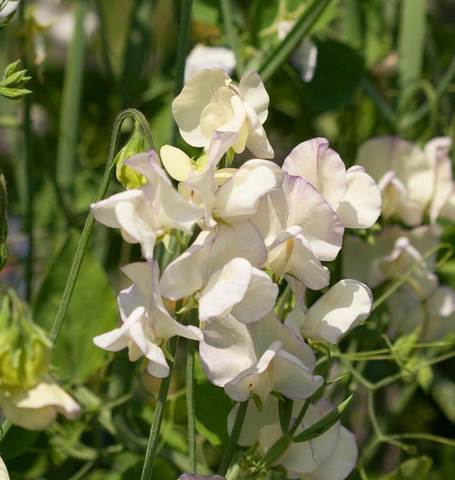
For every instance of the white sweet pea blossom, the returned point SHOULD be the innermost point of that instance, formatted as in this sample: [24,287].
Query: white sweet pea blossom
[37,408]
[211,103]
[394,251]
[413,181]
[225,195]
[300,229]
[203,57]
[257,358]
[352,193]
[343,307]
[220,269]
[146,322]
[330,456]
[3,471]
[435,314]
[145,213]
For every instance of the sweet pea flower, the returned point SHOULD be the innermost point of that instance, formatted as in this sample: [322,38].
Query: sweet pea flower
[146,322]
[435,314]
[257,358]
[37,407]
[330,456]
[227,194]
[300,229]
[203,57]
[211,103]
[343,307]
[413,181]
[146,213]
[352,193]
[3,471]
[220,269]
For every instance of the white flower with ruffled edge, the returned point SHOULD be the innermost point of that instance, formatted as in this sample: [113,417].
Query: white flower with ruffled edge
[211,103]
[146,322]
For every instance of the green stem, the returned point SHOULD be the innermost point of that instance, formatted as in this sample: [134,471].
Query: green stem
[182,50]
[229,25]
[28,173]
[88,227]
[301,29]
[234,437]
[158,418]
[71,101]
[190,405]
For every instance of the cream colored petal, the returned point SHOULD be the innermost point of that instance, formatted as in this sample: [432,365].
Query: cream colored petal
[239,196]
[292,378]
[344,306]
[259,299]
[255,379]
[254,420]
[37,408]
[319,165]
[202,57]
[360,206]
[188,272]
[225,288]
[3,471]
[257,141]
[176,162]
[253,92]
[340,463]
[308,209]
[104,210]
[189,104]
[226,349]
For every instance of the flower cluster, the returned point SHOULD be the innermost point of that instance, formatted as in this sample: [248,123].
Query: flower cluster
[256,229]
[417,188]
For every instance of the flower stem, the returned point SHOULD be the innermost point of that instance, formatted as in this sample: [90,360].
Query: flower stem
[158,418]
[88,227]
[229,25]
[233,439]
[182,50]
[28,171]
[191,349]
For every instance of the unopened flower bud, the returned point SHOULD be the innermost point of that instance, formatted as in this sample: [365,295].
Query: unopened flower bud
[24,347]
[126,175]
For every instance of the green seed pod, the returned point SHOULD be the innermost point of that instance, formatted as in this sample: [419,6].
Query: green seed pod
[126,175]
[24,347]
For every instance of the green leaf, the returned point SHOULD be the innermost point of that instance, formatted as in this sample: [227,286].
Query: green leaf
[411,40]
[92,311]
[325,423]
[443,393]
[337,65]
[17,441]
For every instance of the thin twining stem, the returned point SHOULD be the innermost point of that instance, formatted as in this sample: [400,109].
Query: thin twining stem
[234,437]
[154,436]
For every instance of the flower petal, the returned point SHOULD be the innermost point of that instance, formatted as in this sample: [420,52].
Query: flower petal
[360,206]
[176,162]
[254,93]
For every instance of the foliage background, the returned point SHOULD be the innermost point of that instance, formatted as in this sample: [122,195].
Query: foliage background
[384,67]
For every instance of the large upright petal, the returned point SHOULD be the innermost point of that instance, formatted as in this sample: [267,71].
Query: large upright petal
[308,209]
[360,206]
[320,166]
